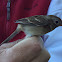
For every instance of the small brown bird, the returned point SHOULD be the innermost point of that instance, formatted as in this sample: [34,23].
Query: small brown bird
[37,25]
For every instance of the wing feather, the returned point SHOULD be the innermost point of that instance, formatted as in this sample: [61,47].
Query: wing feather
[38,20]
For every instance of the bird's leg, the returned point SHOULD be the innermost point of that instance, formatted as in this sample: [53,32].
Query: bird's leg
[41,42]
[18,29]
[27,36]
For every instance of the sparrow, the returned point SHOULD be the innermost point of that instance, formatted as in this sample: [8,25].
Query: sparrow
[36,25]
[39,25]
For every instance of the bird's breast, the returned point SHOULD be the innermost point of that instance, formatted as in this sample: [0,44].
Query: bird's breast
[35,30]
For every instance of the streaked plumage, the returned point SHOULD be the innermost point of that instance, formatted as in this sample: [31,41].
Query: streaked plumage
[33,20]
[40,20]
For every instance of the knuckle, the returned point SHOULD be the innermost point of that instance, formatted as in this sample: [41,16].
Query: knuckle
[37,47]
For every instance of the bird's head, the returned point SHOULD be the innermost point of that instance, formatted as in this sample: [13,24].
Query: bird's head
[54,21]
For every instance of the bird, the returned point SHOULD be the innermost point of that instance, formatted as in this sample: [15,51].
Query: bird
[36,25]
[39,25]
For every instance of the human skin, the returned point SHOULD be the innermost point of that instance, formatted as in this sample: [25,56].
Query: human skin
[28,50]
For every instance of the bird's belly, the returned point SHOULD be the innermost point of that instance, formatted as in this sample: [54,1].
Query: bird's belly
[35,30]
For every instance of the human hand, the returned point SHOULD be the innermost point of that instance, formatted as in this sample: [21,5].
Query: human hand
[17,51]
[27,50]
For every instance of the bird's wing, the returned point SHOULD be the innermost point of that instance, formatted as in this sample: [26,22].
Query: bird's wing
[38,20]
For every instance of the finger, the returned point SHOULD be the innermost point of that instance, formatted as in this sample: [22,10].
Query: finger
[9,45]
[25,50]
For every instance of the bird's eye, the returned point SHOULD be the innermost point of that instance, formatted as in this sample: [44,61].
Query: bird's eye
[56,22]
